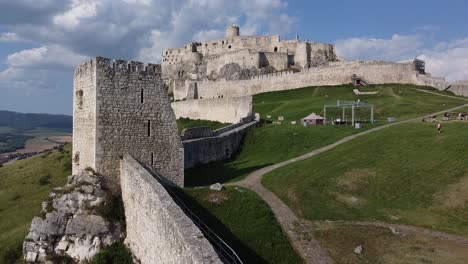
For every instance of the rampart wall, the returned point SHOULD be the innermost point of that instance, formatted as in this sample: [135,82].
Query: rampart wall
[158,231]
[459,88]
[225,110]
[222,144]
[127,110]
[336,73]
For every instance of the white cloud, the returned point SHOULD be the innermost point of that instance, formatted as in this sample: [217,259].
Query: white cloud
[451,63]
[80,9]
[46,57]
[397,48]
[8,37]
[445,59]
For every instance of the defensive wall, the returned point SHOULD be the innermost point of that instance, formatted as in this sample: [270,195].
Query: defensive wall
[225,110]
[336,73]
[122,108]
[202,146]
[158,231]
[459,88]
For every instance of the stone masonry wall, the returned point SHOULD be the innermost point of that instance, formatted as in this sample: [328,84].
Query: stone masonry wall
[158,231]
[84,117]
[133,116]
[225,110]
[221,146]
[335,74]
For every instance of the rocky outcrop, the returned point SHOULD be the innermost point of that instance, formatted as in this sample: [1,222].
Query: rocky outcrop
[71,224]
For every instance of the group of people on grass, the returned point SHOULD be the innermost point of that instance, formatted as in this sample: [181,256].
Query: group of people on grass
[461,116]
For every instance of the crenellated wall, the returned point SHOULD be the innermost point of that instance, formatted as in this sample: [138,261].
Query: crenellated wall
[336,73]
[224,110]
[125,110]
[158,231]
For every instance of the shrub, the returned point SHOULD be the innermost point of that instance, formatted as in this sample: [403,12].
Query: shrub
[114,254]
[44,180]
[113,210]
[60,259]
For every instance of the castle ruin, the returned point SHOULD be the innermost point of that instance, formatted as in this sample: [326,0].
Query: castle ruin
[122,108]
[238,57]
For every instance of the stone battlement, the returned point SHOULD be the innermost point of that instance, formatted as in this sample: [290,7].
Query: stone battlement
[117,64]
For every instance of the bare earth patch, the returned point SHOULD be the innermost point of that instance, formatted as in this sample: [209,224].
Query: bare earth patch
[380,245]
[354,179]
[350,199]
[455,195]
[217,197]
[291,193]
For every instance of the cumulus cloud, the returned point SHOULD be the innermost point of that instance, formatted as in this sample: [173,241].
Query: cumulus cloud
[445,59]
[8,37]
[47,57]
[68,31]
[397,48]
[450,62]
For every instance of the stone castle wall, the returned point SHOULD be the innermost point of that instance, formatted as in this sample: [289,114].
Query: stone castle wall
[132,116]
[336,73]
[222,144]
[224,110]
[244,58]
[84,117]
[158,231]
[459,88]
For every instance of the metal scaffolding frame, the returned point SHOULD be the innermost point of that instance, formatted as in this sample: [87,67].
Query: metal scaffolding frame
[349,104]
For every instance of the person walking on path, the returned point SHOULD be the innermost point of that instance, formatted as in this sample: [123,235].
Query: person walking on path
[439,127]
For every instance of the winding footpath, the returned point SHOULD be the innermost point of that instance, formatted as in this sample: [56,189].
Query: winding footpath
[297,229]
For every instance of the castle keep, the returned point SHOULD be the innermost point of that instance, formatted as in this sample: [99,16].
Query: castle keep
[122,108]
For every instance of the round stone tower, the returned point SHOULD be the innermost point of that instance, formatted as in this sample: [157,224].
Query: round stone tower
[232,32]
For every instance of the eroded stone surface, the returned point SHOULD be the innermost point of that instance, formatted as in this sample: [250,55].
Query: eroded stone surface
[71,225]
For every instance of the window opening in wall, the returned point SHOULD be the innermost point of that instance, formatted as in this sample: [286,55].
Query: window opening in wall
[276,49]
[141,96]
[152,158]
[149,128]
[229,46]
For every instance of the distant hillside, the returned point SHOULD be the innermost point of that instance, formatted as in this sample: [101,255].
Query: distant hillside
[24,122]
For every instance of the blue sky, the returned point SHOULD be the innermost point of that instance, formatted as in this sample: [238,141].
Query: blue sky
[42,40]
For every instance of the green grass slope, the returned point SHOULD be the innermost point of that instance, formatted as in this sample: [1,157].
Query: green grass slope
[270,144]
[408,173]
[24,185]
[183,123]
[245,222]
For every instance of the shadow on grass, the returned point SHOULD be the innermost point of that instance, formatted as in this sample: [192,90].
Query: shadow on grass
[246,254]
[207,174]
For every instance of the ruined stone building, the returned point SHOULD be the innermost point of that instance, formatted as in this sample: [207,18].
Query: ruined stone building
[239,57]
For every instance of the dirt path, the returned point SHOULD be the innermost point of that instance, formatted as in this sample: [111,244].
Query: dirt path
[400,229]
[296,229]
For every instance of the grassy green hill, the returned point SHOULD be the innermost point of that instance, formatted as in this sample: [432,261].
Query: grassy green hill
[245,222]
[240,217]
[24,185]
[270,143]
[407,173]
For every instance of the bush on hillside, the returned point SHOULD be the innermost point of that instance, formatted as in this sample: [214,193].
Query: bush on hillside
[114,254]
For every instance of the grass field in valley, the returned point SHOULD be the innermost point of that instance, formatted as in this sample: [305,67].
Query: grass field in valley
[24,185]
[268,144]
[407,173]
[245,222]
